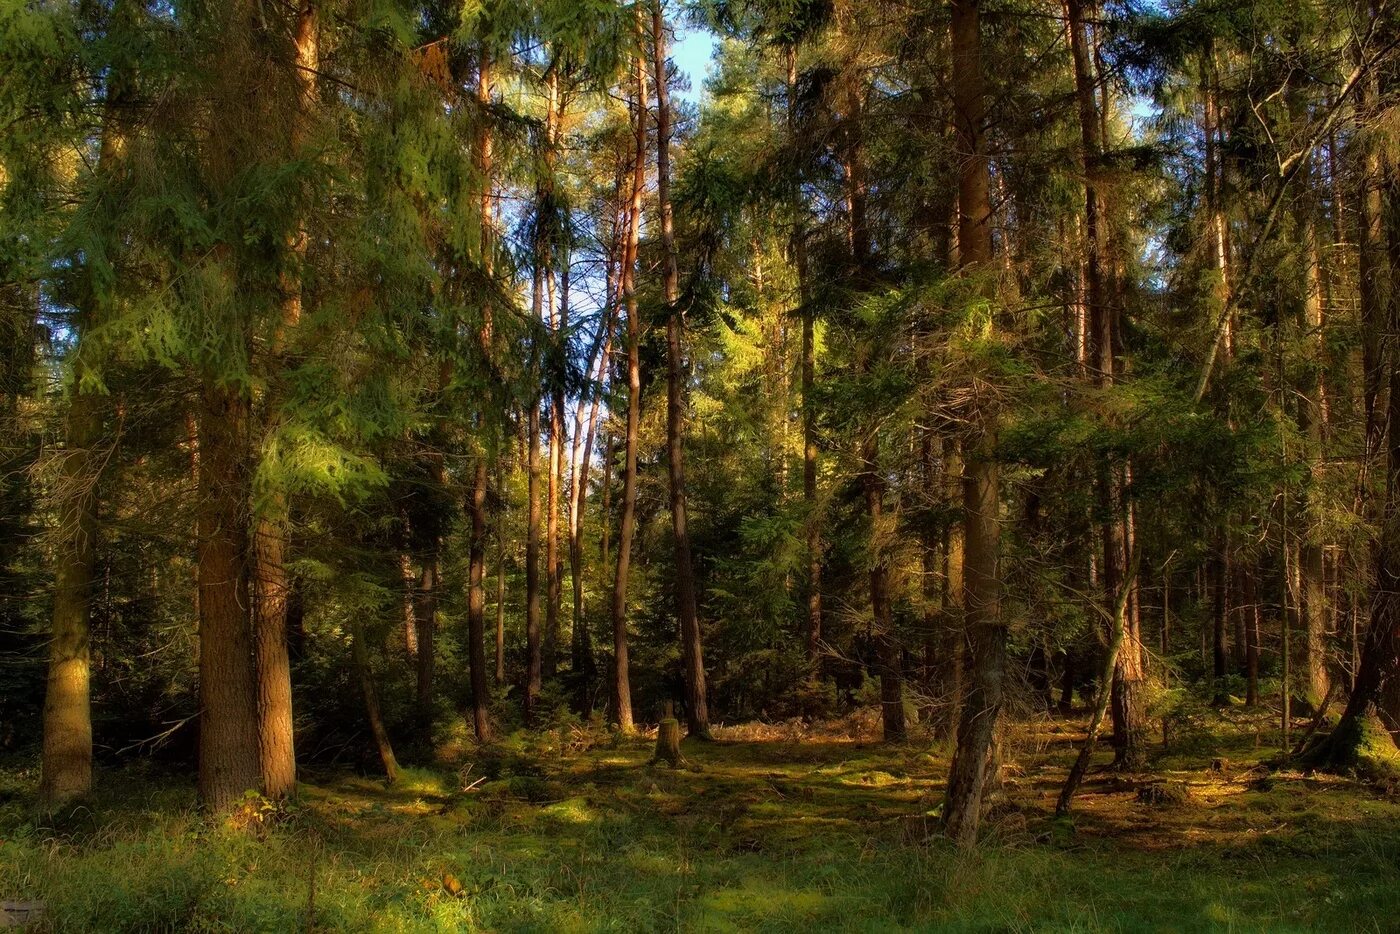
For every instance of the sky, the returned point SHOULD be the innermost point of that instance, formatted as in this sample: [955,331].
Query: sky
[693,52]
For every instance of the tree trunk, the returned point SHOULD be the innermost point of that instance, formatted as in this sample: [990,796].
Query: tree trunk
[981,499]
[228,724]
[692,653]
[271,527]
[809,408]
[1220,617]
[1311,567]
[500,591]
[66,760]
[621,681]
[533,657]
[66,770]
[425,616]
[1103,325]
[360,656]
[1118,629]
[1251,625]
[476,546]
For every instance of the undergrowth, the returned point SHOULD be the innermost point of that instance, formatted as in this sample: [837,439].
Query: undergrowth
[778,831]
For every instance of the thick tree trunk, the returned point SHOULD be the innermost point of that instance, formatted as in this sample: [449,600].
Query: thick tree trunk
[410,587]
[952,618]
[228,724]
[981,496]
[270,587]
[692,652]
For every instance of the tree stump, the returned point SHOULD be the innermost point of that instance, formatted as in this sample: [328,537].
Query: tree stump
[668,740]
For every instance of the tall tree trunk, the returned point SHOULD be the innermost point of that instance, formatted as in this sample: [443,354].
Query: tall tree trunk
[533,655]
[692,653]
[981,488]
[1311,567]
[500,590]
[621,680]
[1373,281]
[1103,327]
[66,760]
[476,548]
[809,408]
[271,526]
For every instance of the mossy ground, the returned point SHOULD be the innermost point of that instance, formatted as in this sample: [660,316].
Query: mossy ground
[765,831]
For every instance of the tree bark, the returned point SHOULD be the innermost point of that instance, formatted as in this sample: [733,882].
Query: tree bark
[621,681]
[476,547]
[981,498]
[228,725]
[66,765]
[692,651]
[533,656]
[809,408]
[66,759]
[1103,326]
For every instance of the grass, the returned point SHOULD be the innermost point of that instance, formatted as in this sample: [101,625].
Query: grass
[766,831]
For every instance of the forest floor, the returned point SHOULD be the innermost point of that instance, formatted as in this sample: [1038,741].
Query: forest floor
[769,829]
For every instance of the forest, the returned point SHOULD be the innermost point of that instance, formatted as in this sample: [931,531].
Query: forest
[699,465]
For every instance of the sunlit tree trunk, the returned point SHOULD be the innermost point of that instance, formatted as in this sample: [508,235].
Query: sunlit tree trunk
[692,652]
[66,761]
[270,584]
[621,679]
[981,487]
[1103,312]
